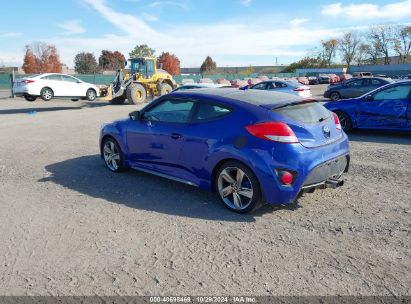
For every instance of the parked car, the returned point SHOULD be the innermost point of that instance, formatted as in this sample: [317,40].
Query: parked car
[362,74]
[334,78]
[249,146]
[313,80]
[324,79]
[355,87]
[284,86]
[50,85]
[344,77]
[303,80]
[223,81]
[198,86]
[237,83]
[253,81]
[388,108]
[206,80]
[263,78]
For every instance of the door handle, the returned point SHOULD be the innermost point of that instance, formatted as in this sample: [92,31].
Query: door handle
[176,136]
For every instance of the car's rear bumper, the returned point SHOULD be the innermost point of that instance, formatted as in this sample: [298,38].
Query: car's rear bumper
[313,167]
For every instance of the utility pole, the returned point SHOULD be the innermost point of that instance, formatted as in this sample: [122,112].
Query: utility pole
[12,78]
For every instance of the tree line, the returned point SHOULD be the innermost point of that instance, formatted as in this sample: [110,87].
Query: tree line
[374,46]
[41,57]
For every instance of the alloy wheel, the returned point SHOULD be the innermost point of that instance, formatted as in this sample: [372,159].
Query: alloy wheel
[235,188]
[91,95]
[111,155]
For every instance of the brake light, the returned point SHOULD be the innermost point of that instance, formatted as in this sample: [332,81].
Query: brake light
[27,81]
[337,122]
[299,89]
[273,131]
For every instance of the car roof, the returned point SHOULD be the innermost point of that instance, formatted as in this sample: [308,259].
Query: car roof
[47,74]
[264,98]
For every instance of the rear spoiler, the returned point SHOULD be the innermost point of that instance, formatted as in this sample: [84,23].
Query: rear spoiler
[290,103]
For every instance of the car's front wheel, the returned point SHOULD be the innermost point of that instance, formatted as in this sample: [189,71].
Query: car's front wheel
[46,94]
[238,187]
[113,156]
[91,95]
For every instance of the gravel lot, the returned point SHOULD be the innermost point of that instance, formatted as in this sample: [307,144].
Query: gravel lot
[70,227]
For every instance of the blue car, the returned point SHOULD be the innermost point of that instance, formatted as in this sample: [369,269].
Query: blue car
[251,147]
[387,108]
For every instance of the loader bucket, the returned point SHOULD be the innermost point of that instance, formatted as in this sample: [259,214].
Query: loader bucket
[107,93]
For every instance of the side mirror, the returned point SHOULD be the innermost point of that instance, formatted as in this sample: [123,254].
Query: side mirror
[369,98]
[135,115]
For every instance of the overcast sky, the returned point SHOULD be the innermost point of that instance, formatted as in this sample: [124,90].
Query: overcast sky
[233,32]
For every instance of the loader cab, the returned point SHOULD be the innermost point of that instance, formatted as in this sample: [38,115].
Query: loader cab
[144,66]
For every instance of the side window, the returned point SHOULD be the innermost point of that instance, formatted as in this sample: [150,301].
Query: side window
[356,83]
[53,77]
[270,86]
[206,111]
[280,85]
[150,67]
[376,82]
[259,86]
[68,78]
[176,111]
[394,92]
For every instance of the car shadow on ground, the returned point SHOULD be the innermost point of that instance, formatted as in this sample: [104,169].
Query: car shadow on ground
[89,176]
[381,137]
[32,110]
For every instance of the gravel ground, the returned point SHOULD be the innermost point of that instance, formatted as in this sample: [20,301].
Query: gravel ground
[70,227]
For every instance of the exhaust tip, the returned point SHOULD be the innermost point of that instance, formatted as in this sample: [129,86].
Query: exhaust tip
[334,183]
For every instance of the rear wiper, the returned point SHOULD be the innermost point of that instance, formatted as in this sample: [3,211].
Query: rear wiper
[322,119]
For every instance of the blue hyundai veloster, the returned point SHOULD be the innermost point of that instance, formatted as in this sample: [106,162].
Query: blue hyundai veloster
[251,147]
[386,108]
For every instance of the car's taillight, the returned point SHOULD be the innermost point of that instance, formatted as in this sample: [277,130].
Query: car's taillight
[27,81]
[274,131]
[286,177]
[299,89]
[337,122]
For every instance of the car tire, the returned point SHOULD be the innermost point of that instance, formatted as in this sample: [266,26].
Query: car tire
[165,88]
[136,93]
[91,94]
[46,94]
[30,98]
[112,155]
[345,121]
[118,100]
[238,187]
[334,96]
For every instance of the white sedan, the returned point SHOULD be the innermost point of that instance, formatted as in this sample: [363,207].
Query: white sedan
[284,86]
[52,85]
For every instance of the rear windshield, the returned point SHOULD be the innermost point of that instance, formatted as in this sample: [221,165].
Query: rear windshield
[293,83]
[311,112]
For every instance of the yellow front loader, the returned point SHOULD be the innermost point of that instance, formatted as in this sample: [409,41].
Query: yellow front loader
[139,83]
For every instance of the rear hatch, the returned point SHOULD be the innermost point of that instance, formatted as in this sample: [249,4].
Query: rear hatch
[312,123]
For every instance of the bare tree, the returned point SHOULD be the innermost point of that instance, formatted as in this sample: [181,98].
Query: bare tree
[348,46]
[329,50]
[402,42]
[381,36]
[362,54]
